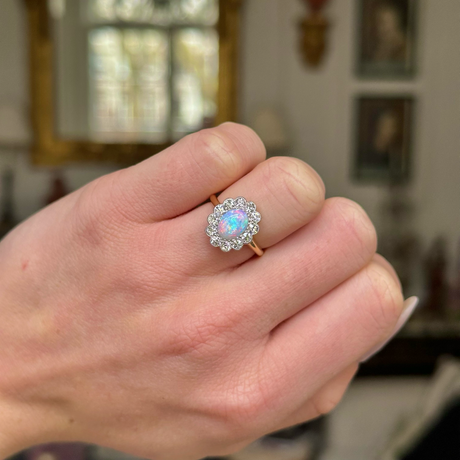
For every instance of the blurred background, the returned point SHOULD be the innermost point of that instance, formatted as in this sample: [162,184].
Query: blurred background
[365,91]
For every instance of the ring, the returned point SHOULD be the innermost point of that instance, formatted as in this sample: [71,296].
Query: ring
[233,224]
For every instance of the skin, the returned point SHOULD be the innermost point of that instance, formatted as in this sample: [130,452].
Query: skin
[122,326]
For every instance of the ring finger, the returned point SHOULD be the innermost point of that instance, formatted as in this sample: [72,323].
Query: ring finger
[324,401]
[288,194]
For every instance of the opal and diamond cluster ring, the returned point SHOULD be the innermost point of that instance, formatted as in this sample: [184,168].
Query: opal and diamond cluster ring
[233,224]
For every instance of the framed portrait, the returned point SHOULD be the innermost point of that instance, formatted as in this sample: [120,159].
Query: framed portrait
[386,39]
[383,138]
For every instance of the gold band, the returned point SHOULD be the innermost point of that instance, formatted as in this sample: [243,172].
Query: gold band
[215,201]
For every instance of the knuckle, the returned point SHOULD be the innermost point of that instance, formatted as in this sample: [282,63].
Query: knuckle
[194,337]
[211,333]
[86,225]
[95,217]
[354,221]
[244,406]
[199,336]
[118,192]
[300,182]
[386,299]
[221,152]
[243,412]
[245,136]
[227,449]
[325,402]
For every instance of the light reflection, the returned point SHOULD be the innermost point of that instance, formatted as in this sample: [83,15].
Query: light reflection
[162,12]
[129,83]
[205,11]
[195,79]
[130,73]
[102,10]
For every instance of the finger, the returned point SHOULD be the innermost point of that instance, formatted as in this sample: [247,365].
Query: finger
[324,401]
[334,332]
[304,267]
[186,174]
[385,264]
[288,194]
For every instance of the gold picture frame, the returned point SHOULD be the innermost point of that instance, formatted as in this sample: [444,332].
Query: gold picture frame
[50,150]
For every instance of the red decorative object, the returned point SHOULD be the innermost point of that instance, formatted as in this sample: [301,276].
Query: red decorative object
[58,188]
[314,28]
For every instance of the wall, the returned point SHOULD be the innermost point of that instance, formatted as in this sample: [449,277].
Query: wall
[317,105]
[31,182]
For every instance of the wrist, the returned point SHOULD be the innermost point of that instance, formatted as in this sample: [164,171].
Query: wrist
[28,416]
[12,432]
[23,425]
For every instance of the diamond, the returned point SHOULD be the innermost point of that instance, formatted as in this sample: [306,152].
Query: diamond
[215,241]
[233,224]
[210,231]
[240,202]
[236,244]
[219,210]
[228,204]
[255,217]
[251,206]
[225,246]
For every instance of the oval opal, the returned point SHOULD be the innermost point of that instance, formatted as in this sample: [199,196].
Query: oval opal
[233,224]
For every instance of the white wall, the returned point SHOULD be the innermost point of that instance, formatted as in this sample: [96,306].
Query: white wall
[318,104]
[32,183]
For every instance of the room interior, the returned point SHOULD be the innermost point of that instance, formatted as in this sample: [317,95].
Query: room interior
[290,69]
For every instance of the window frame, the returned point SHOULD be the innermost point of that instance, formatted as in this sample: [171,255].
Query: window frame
[49,149]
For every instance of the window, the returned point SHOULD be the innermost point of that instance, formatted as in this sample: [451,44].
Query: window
[153,68]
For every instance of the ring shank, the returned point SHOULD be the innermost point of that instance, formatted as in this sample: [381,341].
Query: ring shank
[215,201]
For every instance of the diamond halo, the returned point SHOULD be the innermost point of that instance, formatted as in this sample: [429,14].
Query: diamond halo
[246,237]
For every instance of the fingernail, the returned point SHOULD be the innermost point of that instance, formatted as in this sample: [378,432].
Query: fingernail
[409,307]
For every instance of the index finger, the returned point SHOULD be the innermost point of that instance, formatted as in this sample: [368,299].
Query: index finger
[186,174]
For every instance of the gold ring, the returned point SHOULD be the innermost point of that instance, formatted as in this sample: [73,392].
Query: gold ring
[233,224]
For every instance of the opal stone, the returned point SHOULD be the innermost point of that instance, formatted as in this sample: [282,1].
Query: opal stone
[233,223]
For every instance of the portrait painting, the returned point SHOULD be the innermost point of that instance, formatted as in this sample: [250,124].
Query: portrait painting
[386,38]
[383,139]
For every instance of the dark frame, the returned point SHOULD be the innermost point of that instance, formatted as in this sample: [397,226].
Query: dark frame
[378,174]
[370,70]
[410,356]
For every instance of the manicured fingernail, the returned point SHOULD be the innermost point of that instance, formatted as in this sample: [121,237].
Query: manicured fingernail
[409,307]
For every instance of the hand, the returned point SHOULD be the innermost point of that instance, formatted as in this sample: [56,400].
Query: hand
[122,326]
